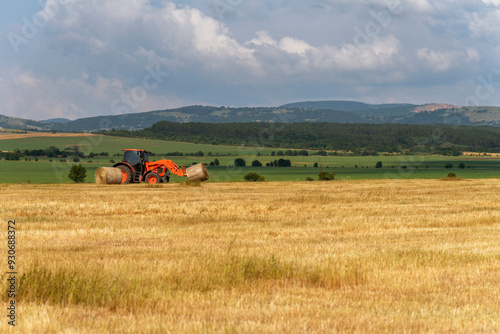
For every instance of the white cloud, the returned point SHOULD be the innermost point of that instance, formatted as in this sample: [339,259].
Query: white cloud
[492,2]
[485,24]
[26,79]
[263,38]
[292,45]
[94,52]
[39,97]
[441,61]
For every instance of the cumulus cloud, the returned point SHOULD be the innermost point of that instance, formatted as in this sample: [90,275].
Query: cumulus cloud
[442,61]
[100,57]
[485,24]
[492,2]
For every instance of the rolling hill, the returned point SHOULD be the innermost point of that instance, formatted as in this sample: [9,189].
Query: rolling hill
[313,111]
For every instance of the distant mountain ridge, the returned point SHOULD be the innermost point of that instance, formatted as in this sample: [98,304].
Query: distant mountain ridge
[308,111]
[57,120]
[344,105]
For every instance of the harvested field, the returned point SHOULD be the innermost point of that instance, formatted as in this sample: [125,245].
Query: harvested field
[342,256]
[7,135]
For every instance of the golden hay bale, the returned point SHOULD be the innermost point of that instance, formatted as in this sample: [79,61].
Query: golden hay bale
[108,175]
[197,172]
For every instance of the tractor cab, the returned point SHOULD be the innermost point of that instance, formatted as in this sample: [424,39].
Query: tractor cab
[135,158]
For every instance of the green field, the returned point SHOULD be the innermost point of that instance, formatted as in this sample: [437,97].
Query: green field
[44,171]
[55,171]
[114,145]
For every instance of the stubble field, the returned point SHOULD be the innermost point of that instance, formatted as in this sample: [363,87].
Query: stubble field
[343,256]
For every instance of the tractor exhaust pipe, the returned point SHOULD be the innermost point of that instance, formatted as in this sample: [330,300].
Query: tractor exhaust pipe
[197,172]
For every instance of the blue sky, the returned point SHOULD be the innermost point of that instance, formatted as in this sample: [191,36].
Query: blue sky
[75,58]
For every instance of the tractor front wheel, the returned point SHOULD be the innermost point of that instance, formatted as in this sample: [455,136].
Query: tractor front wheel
[152,178]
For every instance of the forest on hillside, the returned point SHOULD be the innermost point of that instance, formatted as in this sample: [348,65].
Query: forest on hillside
[357,138]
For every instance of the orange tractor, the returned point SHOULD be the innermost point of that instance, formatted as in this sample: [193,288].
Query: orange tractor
[136,167]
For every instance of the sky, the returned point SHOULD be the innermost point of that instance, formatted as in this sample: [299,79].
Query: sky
[75,58]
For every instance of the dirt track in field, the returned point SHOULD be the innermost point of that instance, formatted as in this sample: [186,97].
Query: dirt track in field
[41,134]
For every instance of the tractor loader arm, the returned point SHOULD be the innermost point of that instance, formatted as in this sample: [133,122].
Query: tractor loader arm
[172,166]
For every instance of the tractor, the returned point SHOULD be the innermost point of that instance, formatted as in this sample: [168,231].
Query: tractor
[136,167]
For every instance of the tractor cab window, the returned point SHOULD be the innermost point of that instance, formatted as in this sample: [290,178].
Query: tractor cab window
[145,157]
[133,158]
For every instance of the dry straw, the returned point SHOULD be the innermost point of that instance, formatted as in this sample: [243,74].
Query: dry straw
[108,175]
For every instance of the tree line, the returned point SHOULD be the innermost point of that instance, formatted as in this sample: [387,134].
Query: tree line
[362,139]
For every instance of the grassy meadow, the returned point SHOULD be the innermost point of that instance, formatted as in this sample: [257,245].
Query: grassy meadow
[112,145]
[346,167]
[419,167]
[275,257]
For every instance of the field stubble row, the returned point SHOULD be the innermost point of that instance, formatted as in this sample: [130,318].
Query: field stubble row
[365,256]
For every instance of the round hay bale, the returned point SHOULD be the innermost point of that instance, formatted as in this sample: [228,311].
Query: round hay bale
[108,175]
[197,172]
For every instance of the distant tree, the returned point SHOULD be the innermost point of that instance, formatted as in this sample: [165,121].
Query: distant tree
[448,166]
[273,153]
[256,163]
[280,153]
[76,159]
[461,165]
[253,177]
[315,165]
[12,156]
[378,164]
[326,176]
[239,162]
[52,152]
[284,163]
[216,162]
[77,173]
[212,163]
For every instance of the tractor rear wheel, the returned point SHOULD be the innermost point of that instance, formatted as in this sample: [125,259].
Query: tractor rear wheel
[126,173]
[152,178]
